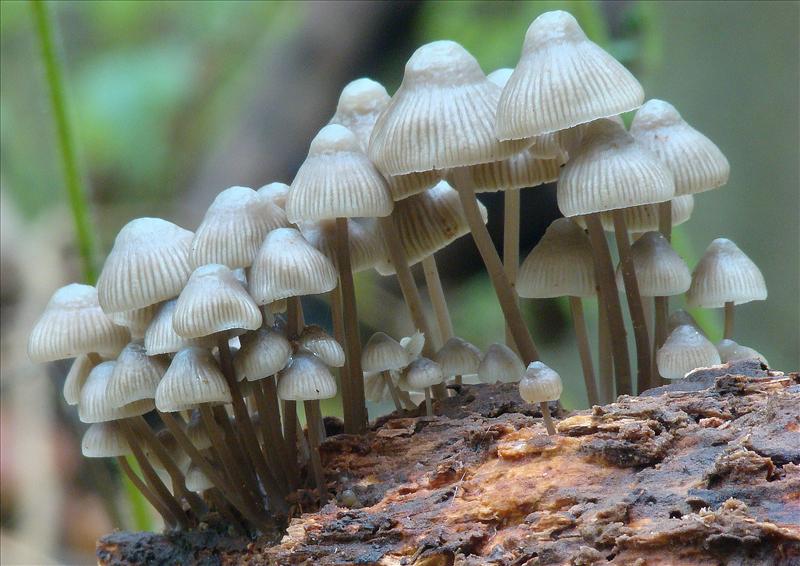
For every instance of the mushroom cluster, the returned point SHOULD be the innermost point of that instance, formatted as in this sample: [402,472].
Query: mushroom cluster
[192,352]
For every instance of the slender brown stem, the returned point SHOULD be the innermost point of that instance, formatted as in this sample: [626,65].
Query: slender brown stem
[729,319]
[314,422]
[608,291]
[635,304]
[548,420]
[428,404]
[337,316]
[605,362]
[506,295]
[266,401]
[223,508]
[293,307]
[148,494]
[438,300]
[387,379]
[579,322]
[511,211]
[665,219]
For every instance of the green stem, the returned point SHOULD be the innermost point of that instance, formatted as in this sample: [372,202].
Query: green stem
[76,193]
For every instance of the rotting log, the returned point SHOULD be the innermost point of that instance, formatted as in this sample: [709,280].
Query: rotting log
[703,471]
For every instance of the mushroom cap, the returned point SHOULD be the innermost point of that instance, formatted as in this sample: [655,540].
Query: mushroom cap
[323,345]
[685,349]
[136,321]
[561,264]
[234,227]
[611,171]
[565,78]
[540,384]
[275,193]
[359,106]
[136,375]
[306,378]
[95,405]
[644,218]
[197,432]
[420,374]
[363,236]
[725,274]
[428,222]
[680,317]
[376,389]
[288,266]
[697,164]
[660,271]
[192,378]
[196,480]
[730,351]
[263,353]
[413,344]
[160,336]
[383,353]
[72,324]
[149,263]
[76,377]
[214,301]
[458,357]
[337,180]
[410,184]
[442,115]
[500,363]
[104,440]
[521,170]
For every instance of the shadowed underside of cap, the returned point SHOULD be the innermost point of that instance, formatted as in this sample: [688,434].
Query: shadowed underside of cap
[458,357]
[660,271]
[72,324]
[192,378]
[161,338]
[263,354]
[363,235]
[104,440]
[540,384]
[306,378]
[561,80]
[383,353]
[561,264]
[644,218]
[76,377]
[323,345]
[685,349]
[500,363]
[404,186]
[149,263]
[135,376]
[725,274]
[519,171]
[95,406]
[359,106]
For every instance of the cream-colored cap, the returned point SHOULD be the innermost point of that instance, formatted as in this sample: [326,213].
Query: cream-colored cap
[725,274]
[697,164]
[104,440]
[193,378]
[136,375]
[521,170]
[413,344]
[410,184]
[730,351]
[360,104]
[136,321]
[72,324]
[560,265]
[149,263]
[680,317]
[214,301]
[306,378]
[323,345]
[419,374]
[458,357]
[644,218]
[660,271]
[197,481]
[685,349]
[288,266]
[197,432]
[610,171]
[383,353]
[76,377]
[561,80]
[500,363]
[161,338]
[263,353]
[540,384]
[364,238]
[276,193]
[95,405]
[442,115]
[234,227]
[375,388]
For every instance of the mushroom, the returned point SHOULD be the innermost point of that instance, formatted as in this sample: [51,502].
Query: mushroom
[198,482]
[136,320]
[541,384]
[500,364]
[76,377]
[160,336]
[458,358]
[681,317]
[644,218]
[422,374]
[383,354]
[275,193]
[730,351]
[725,277]
[685,350]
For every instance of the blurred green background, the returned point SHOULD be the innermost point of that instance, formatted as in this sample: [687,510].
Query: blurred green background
[173,101]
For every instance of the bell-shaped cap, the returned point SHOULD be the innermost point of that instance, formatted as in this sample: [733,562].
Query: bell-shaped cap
[197,432]
[540,384]
[275,193]
[428,222]
[359,106]
[458,357]
[264,352]
[410,184]
[234,227]
[500,363]
[725,274]
[306,378]
[136,321]
[149,263]
[610,171]
[730,351]
[413,344]
[521,170]
[364,238]
[679,318]
[420,374]
[337,180]
[192,378]
[560,265]
[561,80]
[72,324]
[214,301]
[685,349]
[323,345]
[104,440]
[644,218]
[442,115]
[160,336]
[660,271]
[288,266]
[697,164]
[76,377]
[383,353]
[95,404]
[136,375]
[197,481]
[375,388]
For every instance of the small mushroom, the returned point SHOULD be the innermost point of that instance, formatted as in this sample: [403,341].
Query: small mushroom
[541,384]
[421,375]
[730,351]
[500,364]
[685,350]
[383,354]
[458,358]
[136,375]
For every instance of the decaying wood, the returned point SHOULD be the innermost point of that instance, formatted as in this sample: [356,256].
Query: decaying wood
[705,471]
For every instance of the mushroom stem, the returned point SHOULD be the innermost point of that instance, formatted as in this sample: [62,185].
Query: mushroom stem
[223,508]
[579,322]
[290,424]
[729,320]
[506,295]
[314,424]
[355,406]
[266,400]
[428,404]
[661,307]
[387,379]
[148,494]
[437,296]
[548,420]
[665,219]
[511,212]
[635,304]
[613,310]
[605,362]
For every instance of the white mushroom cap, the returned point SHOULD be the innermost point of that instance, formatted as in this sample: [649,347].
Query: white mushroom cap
[193,378]
[420,374]
[104,440]
[413,344]
[725,274]
[136,321]
[306,378]
[660,271]
[197,481]
[383,353]
[160,336]
[359,106]
[275,193]
[680,317]
[540,384]
[685,349]
[730,351]
[95,406]
[500,363]
[323,345]
[76,377]
[263,354]
[136,375]
[458,357]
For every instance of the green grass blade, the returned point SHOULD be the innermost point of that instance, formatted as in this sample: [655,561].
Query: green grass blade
[140,512]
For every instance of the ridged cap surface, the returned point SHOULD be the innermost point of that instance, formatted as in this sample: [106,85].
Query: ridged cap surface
[359,106]
[660,271]
[519,171]
[375,388]
[276,193]
[364,238]
[306,378]
[679,318]
[725,274]
[540,384]
[196,480]
[161,338]
[323,345]
[685,349]
[458,357]
[136,321]
[136,375]
[104,440]
[76,377]
[421,373]
[410,184]
[383,353]
[193,378]
[95,405]
[730,351]
[413,344]
[196,431]
[500,363]
[263,353]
